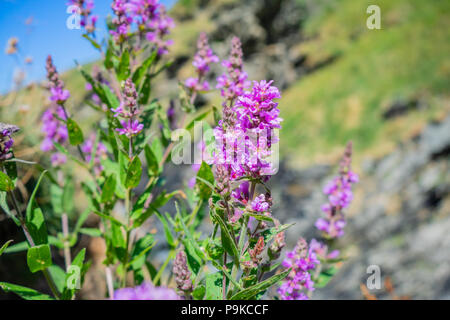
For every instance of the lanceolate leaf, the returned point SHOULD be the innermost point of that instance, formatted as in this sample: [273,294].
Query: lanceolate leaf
[35,218]
[3,248]
[228,241]
[123,71]
[134,173]
[205,176]
[6,184]
[108,189]
[75,133]
[23,292]
[252,291]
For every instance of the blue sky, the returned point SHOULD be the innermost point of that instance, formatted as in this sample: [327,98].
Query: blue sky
[47,34]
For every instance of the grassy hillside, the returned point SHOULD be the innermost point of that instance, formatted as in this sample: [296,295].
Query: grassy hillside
[406,61]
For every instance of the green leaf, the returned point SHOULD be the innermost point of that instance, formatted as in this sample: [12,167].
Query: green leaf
[152,161]
[144,93]
[205,174]
[252,291]
[92,41]
[23,292]
[39,258]
[92,232]
[140,73]
[34,220]
[113,220]
[123,71]
[200,117]
[228,241]
[325,277]
[108,58]
[74,276]
[140,251]
[217,115]
[3,248]
[214,285]
[109,188]
[59,277]
[75,133]
[259,217]
[6,184]
[11,167]
[167,231]
[134,173]
[272,232]
[111,99]
[199,292]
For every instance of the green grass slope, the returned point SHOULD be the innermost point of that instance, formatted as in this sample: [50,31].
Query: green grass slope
[407,60]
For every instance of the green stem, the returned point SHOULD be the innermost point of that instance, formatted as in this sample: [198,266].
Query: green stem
[127,242]
[170,256]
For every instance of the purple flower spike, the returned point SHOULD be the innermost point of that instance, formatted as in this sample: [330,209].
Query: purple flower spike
[202,61]
[340,195]
[233,83]
[301,260]
[129,110]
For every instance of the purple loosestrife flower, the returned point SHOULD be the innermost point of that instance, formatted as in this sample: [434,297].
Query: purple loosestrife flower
[6,142]
[53,128]
[129,110]
[151,19]
[100,153]
[247,146]
[233,83]
[202,61]
[56,86]
[146,291]
[182,273]
[301,260]
[340,195]
[88,22]
[121,21]
[160,28]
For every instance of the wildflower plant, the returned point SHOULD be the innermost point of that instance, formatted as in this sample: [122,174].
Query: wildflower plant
[124,156]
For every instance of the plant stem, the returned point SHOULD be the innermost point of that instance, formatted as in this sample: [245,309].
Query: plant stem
[224,280]
[65,230]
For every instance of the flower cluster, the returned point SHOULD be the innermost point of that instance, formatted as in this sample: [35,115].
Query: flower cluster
[128,109]
[100,153]
[247,146]
[58,94]
[121,21]
[55,131]
[202,61]
[301,260]
[160,28]
[151,19]
[88,22]
[6,142]
[233,83]
[182,273]
[53,128]
[146,291]
[340,195]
